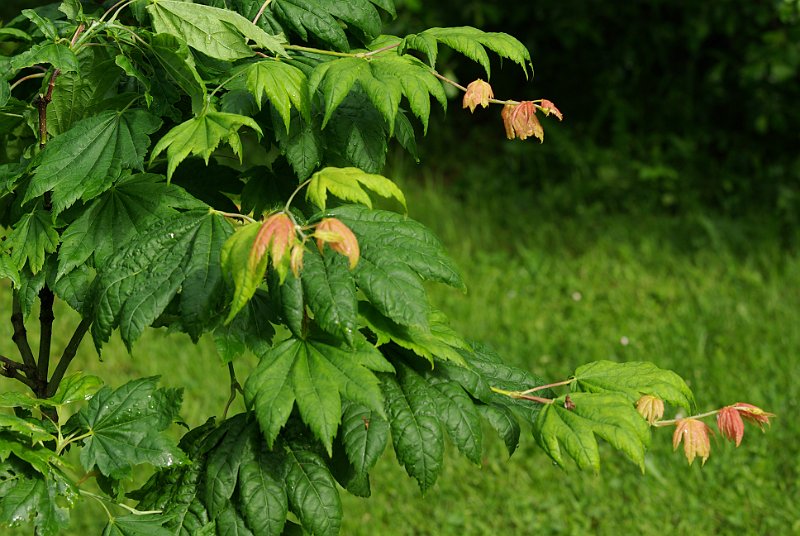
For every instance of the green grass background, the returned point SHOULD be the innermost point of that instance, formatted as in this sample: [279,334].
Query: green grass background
[718,301]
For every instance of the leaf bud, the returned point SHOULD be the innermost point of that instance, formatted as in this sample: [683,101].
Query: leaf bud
[478,92]
[730,424]
[339,237]
[695,436]
[548,108]
[651,408]
[753,414]
[520,121]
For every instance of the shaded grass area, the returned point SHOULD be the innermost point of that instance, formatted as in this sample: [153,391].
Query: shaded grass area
[717,301]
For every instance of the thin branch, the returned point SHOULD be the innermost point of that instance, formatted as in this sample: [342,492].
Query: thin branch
[26,78]
[14,374]
[547,386]
[261,11]
[20,336]
[11,364]
[319,51]
[236,216]
[66,358]
[376,51]
[46,318]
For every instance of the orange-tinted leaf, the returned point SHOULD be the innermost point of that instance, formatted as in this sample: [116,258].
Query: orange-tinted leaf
[550,108]
[695,437]
[730,424]
[650,407]
[478,92]
[753,414]
[521,122]
[339,237]
[296,261]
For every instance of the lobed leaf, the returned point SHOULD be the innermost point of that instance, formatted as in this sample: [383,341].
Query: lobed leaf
[319,18]
[84,161]
[634,379]
[34,236]
[219,33]
[59,56]
[574,426]
[348,184]
[201,135]
[282,84]
[312,492]
[471,42]
[365,434]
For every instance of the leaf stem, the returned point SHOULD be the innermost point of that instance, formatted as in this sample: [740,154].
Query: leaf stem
[235,216]
[320,51]
[376,51]
[464,89]
[235,387]
[670,422]
[66,358]
[26,78]
[521,395]
[547,386]
[296,191]
[261,11]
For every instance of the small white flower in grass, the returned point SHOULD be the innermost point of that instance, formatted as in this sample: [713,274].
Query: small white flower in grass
[577,296]
[624,341]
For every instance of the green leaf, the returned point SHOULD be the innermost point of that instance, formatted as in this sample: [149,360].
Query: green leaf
[125,427]
[365,434]
[84,161]
[607,415]
[385,79]
[246,270]
[470,42]
[173,56]
[504,423]
[330,293]
[33,237]
[72,9]
[8,269]
[262,496]
[634,379]
[76,387]
[436,342]
[59,56]
[175,255]
[231,523]
[282,84]
[251,329]
[269,389]
[288,299]
[73,288]
[460,419]
[416,431]
[356,135]
[137,525]
[46,26]
[348,184]
[312,492]
[29,428]
[384,235]
[319,18]
[222,467]
[302,146]
[201,135]
[219,33]
[36,499]
[313,373]
[127,209]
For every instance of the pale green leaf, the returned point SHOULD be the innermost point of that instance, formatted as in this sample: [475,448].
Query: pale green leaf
[27,427]
[634,379]
[246,270]
[348,184]
[219,33]
[76,387]
[608,415]
[59,56]
[472,43]
[8,269]
[201,135]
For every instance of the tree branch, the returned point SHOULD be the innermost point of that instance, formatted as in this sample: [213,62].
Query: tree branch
[66,358]
[46,318]
[20,336]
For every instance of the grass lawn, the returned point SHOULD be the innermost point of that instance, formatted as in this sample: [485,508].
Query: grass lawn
[714,300]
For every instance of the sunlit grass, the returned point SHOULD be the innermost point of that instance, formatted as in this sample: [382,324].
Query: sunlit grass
[716,301]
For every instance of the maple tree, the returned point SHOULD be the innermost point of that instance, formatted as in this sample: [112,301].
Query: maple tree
[211,167]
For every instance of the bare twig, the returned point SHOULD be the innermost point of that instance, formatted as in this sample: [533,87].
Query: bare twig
[66,358]
[261,11]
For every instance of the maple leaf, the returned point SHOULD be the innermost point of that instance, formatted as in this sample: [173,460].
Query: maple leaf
[695,437]
[753,414]
[339,237]
[730,424]
[296,259]
[478,92]
[548,108]
[521,122]
[650,407]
